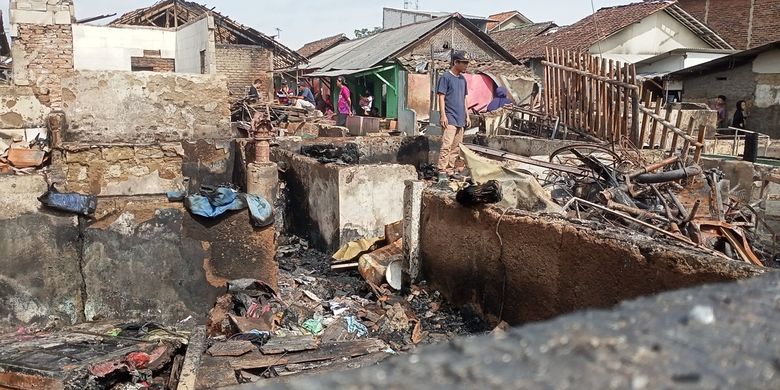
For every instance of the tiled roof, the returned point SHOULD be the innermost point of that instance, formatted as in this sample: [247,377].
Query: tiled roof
[313,48]
[500,18]
[587,32]
[515,39]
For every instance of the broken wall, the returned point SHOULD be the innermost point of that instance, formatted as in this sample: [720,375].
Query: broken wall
[550,265]
[195,47]
[142,107]
[111,48]
[20,108]
[243,64]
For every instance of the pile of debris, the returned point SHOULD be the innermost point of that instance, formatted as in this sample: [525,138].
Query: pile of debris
[673,198]
[95,356]
[319,320]
[25,152]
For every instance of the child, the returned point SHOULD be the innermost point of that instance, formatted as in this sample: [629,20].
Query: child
[366,102]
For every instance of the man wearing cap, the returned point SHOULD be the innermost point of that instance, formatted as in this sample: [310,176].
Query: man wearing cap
[452,90]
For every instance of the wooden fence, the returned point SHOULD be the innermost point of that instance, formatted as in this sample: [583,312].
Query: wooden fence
[603,99]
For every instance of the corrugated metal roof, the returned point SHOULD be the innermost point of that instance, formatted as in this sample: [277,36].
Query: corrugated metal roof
[371,51]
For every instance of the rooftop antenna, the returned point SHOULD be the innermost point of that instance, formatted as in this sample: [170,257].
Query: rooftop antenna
[278,33]
[411,4]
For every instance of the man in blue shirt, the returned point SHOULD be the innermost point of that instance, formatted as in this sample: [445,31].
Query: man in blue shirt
[305,93]
[451,91]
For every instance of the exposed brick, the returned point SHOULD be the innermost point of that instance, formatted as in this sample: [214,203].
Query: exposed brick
[154,64]
[731,19]
[243,64]
[48,56]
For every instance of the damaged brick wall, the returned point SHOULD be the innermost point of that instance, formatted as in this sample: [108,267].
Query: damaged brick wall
[153,64]
[43,55]
[243,64]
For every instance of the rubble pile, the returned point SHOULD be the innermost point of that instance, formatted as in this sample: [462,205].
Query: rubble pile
[672,198]
[24,153]
[320,319]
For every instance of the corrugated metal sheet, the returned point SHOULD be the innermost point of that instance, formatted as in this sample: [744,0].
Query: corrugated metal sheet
[369,52]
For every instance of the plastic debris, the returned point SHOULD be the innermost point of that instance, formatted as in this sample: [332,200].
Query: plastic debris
[70,202]
[314,326]
[355,326]
[213,202]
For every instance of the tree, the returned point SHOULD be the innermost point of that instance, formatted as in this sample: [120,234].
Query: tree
[362,33]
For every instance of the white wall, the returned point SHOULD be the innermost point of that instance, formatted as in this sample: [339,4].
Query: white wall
[110,48]
[678,61]
[393,18]
[767,62]
[190,41]
[656,34]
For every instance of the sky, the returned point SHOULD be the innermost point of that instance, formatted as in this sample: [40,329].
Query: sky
[303,21]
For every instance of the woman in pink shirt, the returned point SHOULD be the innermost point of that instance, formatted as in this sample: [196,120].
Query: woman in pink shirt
[344,108]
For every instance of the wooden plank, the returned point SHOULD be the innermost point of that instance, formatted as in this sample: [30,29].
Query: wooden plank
[329,351]
[611,102]
[675,138]
[195,348]
[635,107]
[645,117]
[626,105]
[279,345]
[231,348]
[655,122]
[603,70]
[665,132]
[700,147]
[547,82]
[369,360]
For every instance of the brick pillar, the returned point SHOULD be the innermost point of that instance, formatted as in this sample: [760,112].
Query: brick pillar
[42,46]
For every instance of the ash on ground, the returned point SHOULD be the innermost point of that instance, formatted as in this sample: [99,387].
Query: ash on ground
[422,316]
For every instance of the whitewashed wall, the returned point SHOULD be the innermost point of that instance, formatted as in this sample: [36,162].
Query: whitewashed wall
[110,48]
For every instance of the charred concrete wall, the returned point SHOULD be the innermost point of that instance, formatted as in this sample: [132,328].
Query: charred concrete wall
[142,107]
[378,150]
[139,258]
[552,266]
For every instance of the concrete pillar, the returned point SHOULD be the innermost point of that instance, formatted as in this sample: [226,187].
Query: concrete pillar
[412,214]
[263,179]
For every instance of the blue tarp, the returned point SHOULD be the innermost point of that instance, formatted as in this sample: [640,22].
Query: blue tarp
[225,199]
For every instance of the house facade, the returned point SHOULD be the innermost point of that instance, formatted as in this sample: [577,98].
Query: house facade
[752,75]
[375,63]
[507,21]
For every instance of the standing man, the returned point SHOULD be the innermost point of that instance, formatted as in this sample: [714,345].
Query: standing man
[344,108]
[720,107]
[452,90]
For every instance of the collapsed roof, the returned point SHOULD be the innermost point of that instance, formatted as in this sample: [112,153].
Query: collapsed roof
[174,13]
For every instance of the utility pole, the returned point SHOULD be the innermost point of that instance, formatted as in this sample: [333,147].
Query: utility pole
[278,33]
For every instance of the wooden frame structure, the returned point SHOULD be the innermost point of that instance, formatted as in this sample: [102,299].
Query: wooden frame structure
[602,99]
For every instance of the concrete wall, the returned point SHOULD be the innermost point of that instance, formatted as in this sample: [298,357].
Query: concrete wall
[110,48]
[192,40]
[20,108]
[243,64]
[551,266]
[104,107]
[756,82]
[392,18]
[39,266]
[331,204]
[656,34]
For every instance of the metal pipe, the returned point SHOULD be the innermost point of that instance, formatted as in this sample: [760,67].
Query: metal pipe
[663,177]
[654,167]
[639,213]
[694,210]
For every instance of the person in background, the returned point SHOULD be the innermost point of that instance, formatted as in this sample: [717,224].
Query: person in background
[253,90]
[283,94]
[452,90]
[366,102]
[720,107]
[304,93]
[500,100]
[344,105]
[740,117]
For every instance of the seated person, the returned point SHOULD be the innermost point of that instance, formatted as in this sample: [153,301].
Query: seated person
[253,90]
[284,94]
[500,100]
[366,102]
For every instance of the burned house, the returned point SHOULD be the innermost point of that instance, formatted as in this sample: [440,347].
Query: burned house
[241,53]
[145,244]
